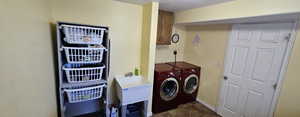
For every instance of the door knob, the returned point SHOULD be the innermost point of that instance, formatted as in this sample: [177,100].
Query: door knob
[225,77]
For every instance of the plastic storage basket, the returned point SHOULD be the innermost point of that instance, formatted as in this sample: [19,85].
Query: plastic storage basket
[77,74]
[83,34]
[84,94]
[84,55]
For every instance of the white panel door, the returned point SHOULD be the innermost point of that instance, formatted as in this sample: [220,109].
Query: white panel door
[253,63]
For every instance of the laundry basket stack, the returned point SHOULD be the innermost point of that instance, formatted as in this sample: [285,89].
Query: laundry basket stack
[83,59]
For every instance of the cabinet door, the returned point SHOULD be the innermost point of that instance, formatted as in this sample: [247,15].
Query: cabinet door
[165,24]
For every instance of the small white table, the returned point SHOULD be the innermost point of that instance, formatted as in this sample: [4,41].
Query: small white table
[131,90]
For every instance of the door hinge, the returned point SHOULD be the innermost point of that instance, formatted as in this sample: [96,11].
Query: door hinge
[275,86]
[288,37]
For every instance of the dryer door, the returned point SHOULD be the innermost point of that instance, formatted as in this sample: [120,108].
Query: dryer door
[191,84]
[169,89]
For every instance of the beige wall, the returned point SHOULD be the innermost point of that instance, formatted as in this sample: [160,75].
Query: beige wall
[209,54]
[124,21]
[288,100]
[238,9]
[288,104]
[149,31]
[27,68]
[27,86]
[164,53]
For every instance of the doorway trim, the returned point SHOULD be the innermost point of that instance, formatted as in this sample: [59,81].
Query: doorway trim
[283,69]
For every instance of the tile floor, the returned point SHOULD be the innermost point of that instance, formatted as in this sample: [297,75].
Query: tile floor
[193,109]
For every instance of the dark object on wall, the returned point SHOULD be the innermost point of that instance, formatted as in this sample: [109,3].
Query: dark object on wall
[175,38]
[164,27]
[175,53]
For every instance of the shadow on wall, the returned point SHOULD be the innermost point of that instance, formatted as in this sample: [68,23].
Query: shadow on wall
[55,62]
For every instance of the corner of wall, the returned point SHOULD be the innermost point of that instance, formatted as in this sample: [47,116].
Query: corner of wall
[149,30]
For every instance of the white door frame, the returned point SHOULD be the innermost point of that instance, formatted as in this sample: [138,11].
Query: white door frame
[283,70]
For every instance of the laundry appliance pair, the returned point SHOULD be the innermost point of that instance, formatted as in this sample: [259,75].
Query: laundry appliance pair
[174,84]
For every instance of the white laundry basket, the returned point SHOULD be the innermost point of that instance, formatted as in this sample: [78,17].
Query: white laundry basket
[84,94]
[83,34]
[77,74]
[86,55]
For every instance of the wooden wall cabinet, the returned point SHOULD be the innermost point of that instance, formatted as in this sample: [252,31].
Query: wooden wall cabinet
[165,24]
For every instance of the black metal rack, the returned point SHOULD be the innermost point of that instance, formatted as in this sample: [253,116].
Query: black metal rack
[89,107]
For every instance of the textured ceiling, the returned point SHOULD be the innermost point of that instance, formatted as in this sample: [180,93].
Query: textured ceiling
[178,5]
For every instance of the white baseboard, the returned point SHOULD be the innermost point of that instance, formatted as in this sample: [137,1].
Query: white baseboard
[149,114]
[207,105]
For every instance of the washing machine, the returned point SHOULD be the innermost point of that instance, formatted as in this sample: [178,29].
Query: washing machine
[190,80]
[166,88]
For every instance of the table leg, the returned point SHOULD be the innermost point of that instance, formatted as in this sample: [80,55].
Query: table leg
[145,108]
[123,111]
